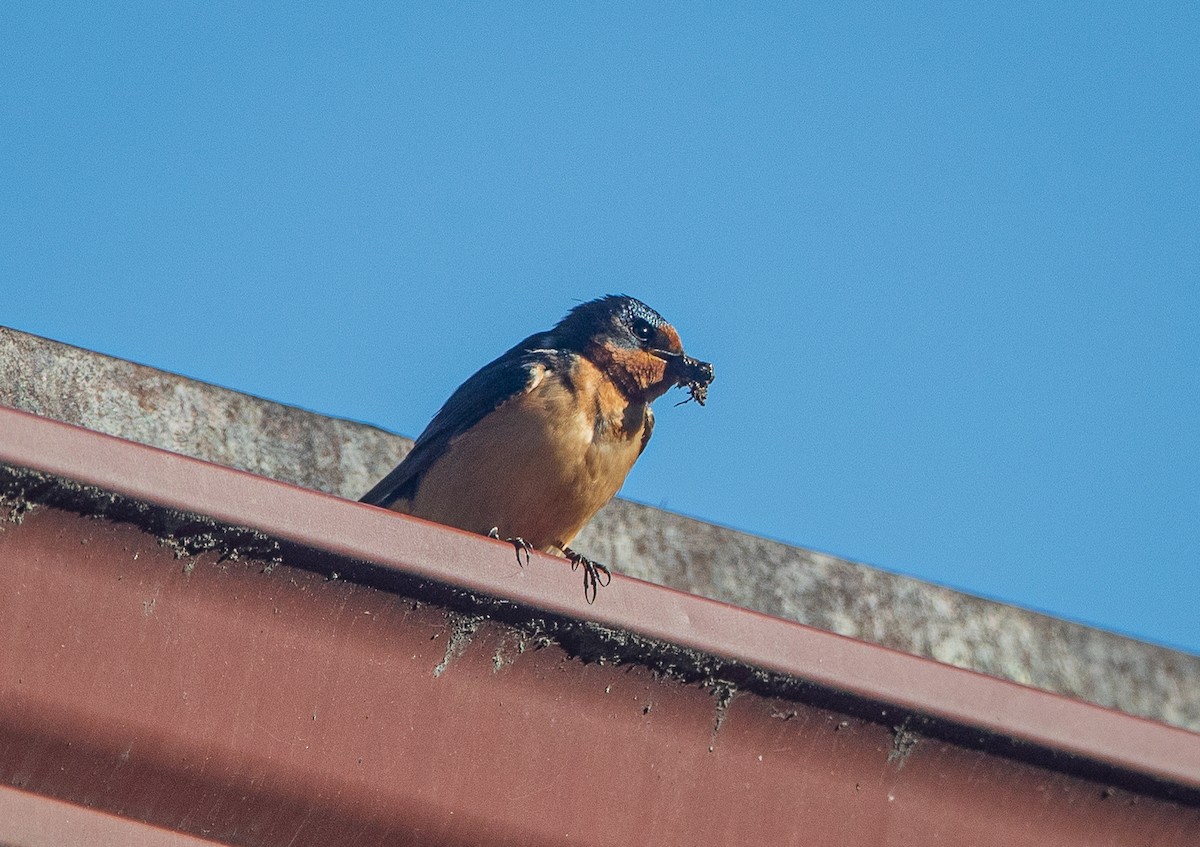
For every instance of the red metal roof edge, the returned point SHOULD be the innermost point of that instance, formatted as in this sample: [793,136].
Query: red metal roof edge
[34,820]
[344,528]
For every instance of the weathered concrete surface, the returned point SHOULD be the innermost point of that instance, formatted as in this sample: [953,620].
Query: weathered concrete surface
[193,418]
[345,458]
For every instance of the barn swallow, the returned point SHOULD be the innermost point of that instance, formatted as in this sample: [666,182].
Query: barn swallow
[534,443]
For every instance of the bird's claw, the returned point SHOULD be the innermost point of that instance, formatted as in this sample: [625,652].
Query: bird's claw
[518,543]
[595,575]
[592,580]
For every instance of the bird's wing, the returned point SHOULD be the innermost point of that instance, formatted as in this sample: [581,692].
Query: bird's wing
[516,372]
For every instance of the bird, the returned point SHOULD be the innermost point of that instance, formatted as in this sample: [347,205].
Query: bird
[533,444]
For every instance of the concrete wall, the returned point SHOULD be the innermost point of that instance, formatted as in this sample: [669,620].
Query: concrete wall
[345,458]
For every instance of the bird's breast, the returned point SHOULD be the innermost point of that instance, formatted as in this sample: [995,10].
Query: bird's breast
[542,464]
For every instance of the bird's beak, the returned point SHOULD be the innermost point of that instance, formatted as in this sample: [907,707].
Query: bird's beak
[686,371]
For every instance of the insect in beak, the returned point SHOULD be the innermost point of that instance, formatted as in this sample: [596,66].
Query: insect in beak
[692,373]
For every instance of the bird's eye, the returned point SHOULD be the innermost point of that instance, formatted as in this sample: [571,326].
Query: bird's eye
[643,329]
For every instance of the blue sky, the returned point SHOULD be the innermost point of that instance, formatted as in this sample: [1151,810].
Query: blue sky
[944,257]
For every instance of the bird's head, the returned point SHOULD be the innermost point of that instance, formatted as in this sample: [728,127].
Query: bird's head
[635,345]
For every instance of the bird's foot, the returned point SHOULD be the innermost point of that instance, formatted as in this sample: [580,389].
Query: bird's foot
[518,543]
[592,580]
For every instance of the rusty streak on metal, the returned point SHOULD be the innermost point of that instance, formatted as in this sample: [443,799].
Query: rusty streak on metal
[178,653]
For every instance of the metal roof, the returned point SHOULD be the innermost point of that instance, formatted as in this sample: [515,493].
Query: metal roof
[345,458]
[224,657]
